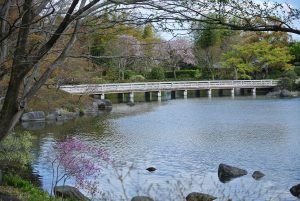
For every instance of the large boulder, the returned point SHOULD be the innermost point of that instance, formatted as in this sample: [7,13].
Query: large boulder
[257,175]
[61,115]
[65,116]
[295,190]
[280,93]
[141,198]
[227,172]
[104,104]
[33,116]
[194,196]
[69,192]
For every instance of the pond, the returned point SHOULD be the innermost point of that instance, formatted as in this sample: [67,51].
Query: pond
[186,140]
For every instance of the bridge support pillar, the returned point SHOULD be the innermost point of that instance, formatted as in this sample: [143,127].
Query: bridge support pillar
[102,96]
[254,91]
[232,92]
[185,94]
[131,97]
[159,96]
[209,92]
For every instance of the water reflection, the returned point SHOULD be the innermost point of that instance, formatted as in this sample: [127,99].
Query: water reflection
[187,139]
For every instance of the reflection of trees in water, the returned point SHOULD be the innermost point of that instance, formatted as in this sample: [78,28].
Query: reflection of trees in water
[94,127]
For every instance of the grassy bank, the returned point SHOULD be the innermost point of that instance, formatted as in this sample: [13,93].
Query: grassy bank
[15,188]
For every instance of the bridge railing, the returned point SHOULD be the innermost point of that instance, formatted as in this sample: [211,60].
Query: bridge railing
[157,86]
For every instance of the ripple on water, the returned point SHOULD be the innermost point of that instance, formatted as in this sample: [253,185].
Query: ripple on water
[187,139]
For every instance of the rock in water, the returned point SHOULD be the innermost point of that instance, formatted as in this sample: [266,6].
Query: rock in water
[104,104]
[257,175]
[194,196]
[151,169]
[141,198]
[295,190]
[130,103]
[33,116]
[280,93]
[69,192]
[227,172]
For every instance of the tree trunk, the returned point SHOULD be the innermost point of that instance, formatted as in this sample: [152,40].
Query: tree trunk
[174,71]
[212,73]
[3,29]
[12,109]
[235,74]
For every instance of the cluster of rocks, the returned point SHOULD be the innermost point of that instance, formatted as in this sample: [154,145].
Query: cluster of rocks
[282,93]
[64,115]
[227,173]
[75,194]
[194,196]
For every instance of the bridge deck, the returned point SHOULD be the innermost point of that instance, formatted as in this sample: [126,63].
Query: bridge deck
[88,89]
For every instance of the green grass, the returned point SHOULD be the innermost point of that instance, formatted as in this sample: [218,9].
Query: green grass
[24,190]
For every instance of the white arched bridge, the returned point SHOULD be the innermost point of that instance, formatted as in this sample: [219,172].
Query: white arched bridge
[158,87]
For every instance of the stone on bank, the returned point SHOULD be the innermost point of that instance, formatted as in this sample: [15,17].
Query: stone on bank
[195,196]
[69,192]
[141,198]
[33,116]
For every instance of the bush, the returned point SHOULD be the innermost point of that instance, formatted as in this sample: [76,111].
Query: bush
[297,70]
[15,148]
[128,74]
[112,74]
[184,74]
[137,78]
[157,73]
[98,80]
[286,83]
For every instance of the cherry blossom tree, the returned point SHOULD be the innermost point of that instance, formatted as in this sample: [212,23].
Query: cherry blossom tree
[176,52]
[128,49]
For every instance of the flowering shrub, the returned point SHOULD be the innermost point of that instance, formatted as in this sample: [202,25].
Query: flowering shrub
[74,158]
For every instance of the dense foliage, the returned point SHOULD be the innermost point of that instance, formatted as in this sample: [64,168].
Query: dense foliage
[16,149]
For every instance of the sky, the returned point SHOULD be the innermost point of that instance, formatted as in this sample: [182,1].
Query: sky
[295,3]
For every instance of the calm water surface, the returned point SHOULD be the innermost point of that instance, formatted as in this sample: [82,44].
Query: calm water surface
[186,140]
